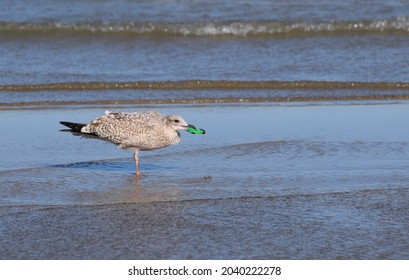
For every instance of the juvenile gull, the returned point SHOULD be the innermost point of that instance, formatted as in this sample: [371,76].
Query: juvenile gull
[143,131]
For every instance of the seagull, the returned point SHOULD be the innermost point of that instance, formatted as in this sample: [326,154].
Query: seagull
[143,131]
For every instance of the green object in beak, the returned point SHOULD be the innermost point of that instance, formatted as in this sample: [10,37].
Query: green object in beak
[192,129]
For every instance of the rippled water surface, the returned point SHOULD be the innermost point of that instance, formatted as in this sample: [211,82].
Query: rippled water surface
[304,104]
[335,163]
[259,150]
[132,41]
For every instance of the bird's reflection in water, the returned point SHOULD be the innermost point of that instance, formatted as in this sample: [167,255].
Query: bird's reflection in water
[149,189]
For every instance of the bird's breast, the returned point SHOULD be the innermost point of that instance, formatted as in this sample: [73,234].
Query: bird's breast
[153,141]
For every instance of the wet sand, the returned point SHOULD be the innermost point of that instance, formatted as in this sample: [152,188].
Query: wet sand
[359,225]
[270,180]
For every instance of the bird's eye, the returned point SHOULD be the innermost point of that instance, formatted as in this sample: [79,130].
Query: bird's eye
[176,121]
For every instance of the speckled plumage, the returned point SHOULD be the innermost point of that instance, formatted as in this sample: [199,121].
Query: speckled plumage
[137,131]
[143,131]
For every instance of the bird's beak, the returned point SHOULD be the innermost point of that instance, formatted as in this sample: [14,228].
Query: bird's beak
[189,126]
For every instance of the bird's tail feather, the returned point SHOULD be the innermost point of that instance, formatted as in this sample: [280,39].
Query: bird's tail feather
[75,127]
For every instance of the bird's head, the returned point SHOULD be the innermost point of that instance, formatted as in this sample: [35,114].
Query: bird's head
[177,122]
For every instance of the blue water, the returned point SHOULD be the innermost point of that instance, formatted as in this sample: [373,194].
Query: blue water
[57,41]
[253,150]
[314,170]
[185,10]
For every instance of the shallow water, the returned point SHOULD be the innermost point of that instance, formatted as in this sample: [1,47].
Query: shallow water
[261,150]
[304,104]
[329,179]
[300,162]
[358,225]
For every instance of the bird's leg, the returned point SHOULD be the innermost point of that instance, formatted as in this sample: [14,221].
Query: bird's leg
[135,158]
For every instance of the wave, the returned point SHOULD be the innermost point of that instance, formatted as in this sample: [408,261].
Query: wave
[198,92]
[216,28]
[207,84]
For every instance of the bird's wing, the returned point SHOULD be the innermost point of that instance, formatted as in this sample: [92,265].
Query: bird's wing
[126,129]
